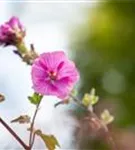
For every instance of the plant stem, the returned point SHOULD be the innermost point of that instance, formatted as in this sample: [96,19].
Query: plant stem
[22,48]
[102,125]
[33,139]
[14,134]
[77,101]
[32,136]
[27,55]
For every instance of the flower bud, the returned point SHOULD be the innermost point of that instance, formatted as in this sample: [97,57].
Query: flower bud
[12,32]
[106,117]
[90,99]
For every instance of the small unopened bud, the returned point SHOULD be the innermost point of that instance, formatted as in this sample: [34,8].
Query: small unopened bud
[90,99]
[106,117]
[12,32]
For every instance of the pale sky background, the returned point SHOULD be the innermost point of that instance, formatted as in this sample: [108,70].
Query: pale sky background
[47,27]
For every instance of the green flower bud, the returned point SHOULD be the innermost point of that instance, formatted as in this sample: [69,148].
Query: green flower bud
[106,117]
[90,99]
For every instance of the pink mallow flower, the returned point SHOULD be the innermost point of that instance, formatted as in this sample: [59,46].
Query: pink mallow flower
[54,74]
[12,32]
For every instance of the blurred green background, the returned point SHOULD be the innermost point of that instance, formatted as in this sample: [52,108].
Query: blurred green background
[104,50]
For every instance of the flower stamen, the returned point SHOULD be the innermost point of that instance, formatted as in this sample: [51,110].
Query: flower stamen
[53,75]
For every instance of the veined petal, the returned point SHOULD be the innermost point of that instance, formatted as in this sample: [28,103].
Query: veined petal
[64,87]
[54,74]
[52,59]
[69,70]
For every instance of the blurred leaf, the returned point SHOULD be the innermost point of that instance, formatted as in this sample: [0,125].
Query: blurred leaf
[106,117]
[35,98]
[49,140]
[2,98]
[21,119]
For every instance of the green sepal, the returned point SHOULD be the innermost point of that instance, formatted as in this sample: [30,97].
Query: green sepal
[35,98]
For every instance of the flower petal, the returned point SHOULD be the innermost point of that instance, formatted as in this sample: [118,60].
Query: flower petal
[53,59]
[69,70]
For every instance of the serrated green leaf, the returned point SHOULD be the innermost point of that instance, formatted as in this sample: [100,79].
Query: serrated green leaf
[35,98]
[49,140]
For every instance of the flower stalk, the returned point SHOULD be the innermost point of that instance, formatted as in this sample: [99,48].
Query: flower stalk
[14,134]
[27,56]
[21,47]
[32,133]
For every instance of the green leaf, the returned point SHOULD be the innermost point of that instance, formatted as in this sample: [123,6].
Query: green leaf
[49,140]
[35,98]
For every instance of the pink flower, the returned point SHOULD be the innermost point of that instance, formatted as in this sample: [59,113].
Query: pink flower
[54,74]
[12,32]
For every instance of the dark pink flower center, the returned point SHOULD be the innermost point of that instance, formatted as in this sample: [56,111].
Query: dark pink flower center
[53,75]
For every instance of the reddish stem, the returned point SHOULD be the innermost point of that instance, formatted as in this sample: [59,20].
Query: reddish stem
[32,135]
[14,134]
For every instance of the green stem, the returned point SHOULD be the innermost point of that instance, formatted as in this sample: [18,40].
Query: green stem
[32,136]
[22,48]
